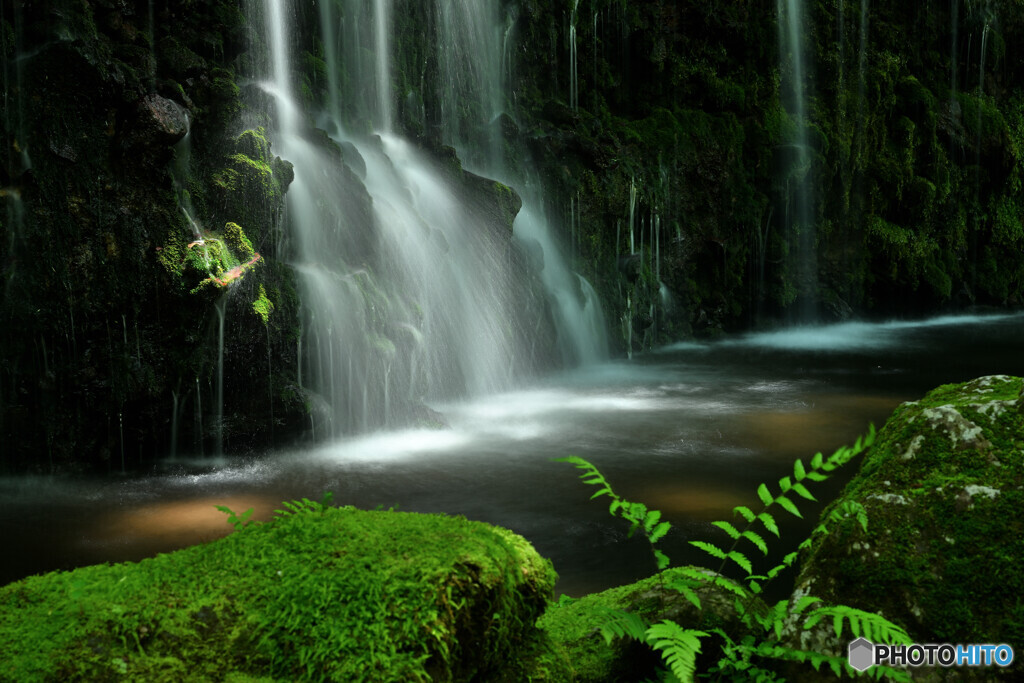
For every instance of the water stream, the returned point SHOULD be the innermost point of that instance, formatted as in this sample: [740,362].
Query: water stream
[800,228]
[690,429]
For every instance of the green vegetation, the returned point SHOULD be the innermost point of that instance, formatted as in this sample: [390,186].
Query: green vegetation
[318,593]
[263,306]
[767,632]
[942,488]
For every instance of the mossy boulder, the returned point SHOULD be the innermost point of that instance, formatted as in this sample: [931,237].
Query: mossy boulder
[942,487]
[333,594]
[573,628]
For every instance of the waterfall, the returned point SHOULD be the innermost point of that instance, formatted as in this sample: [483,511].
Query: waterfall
[799,221]
[574,90]
[481,34]
[409,290]
[218,419]
[954,28]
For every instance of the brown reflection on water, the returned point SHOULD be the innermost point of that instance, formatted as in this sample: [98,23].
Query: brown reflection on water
[824,423]
[696,503]
[158,526]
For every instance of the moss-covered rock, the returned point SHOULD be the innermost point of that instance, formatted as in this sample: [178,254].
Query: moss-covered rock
[338,595]
[942,487]
[573,627]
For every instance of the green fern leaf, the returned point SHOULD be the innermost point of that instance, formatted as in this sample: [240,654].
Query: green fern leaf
[817,476]
[816,461]
[862,517]
[660,558]
[803,492]
[619,623]
[769,523]
[875,626]
[741,560]
[803,603]
[764,495]
[798,470]
[659,532]
[787,505]
[710,549]
[687,592]
[651,520]
[756,540]
[718,580]
[785,484]
[727,528]
[679,647]
[744,512]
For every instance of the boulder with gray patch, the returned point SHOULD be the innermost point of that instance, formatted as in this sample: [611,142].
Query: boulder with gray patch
[943,488]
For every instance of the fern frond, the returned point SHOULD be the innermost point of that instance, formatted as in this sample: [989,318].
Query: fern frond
[660,558]
[686,588]
[798,470]
[787,505]
[744,512]
[874,627]
[727,528]
[802,491]
[769,523]
[637,514]
[756,540]
[715,579]
[711,549]
[679,647]
[619,623]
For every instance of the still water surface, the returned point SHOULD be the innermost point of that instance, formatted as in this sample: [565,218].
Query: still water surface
[691,429]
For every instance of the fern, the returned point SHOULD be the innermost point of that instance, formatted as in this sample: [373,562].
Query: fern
[819,470]
[679,646]
[238,521]
[637,514]
[306,506]
[874,627]
[619,623]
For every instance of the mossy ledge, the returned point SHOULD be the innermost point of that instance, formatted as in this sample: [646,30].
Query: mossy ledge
[336,594]
[943,489]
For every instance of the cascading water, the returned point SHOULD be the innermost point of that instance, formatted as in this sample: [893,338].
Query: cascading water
[574,86]
[409,290]
[799,221]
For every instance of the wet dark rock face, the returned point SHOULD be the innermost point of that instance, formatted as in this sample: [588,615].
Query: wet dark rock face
[667,152]
[100,336]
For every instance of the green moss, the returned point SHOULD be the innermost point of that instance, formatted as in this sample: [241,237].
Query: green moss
[236,239]
[345,595]
[263,306]
[253,143]
[942,490]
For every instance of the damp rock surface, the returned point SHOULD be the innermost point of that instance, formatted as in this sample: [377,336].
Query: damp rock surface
[943,487]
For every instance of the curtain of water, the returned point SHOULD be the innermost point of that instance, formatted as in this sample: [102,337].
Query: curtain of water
[800,228]
[408,292]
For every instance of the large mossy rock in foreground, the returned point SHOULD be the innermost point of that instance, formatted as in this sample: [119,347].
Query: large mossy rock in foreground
[943,488]
[338,595]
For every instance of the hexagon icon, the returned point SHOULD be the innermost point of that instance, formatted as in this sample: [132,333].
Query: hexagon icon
[861,654]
